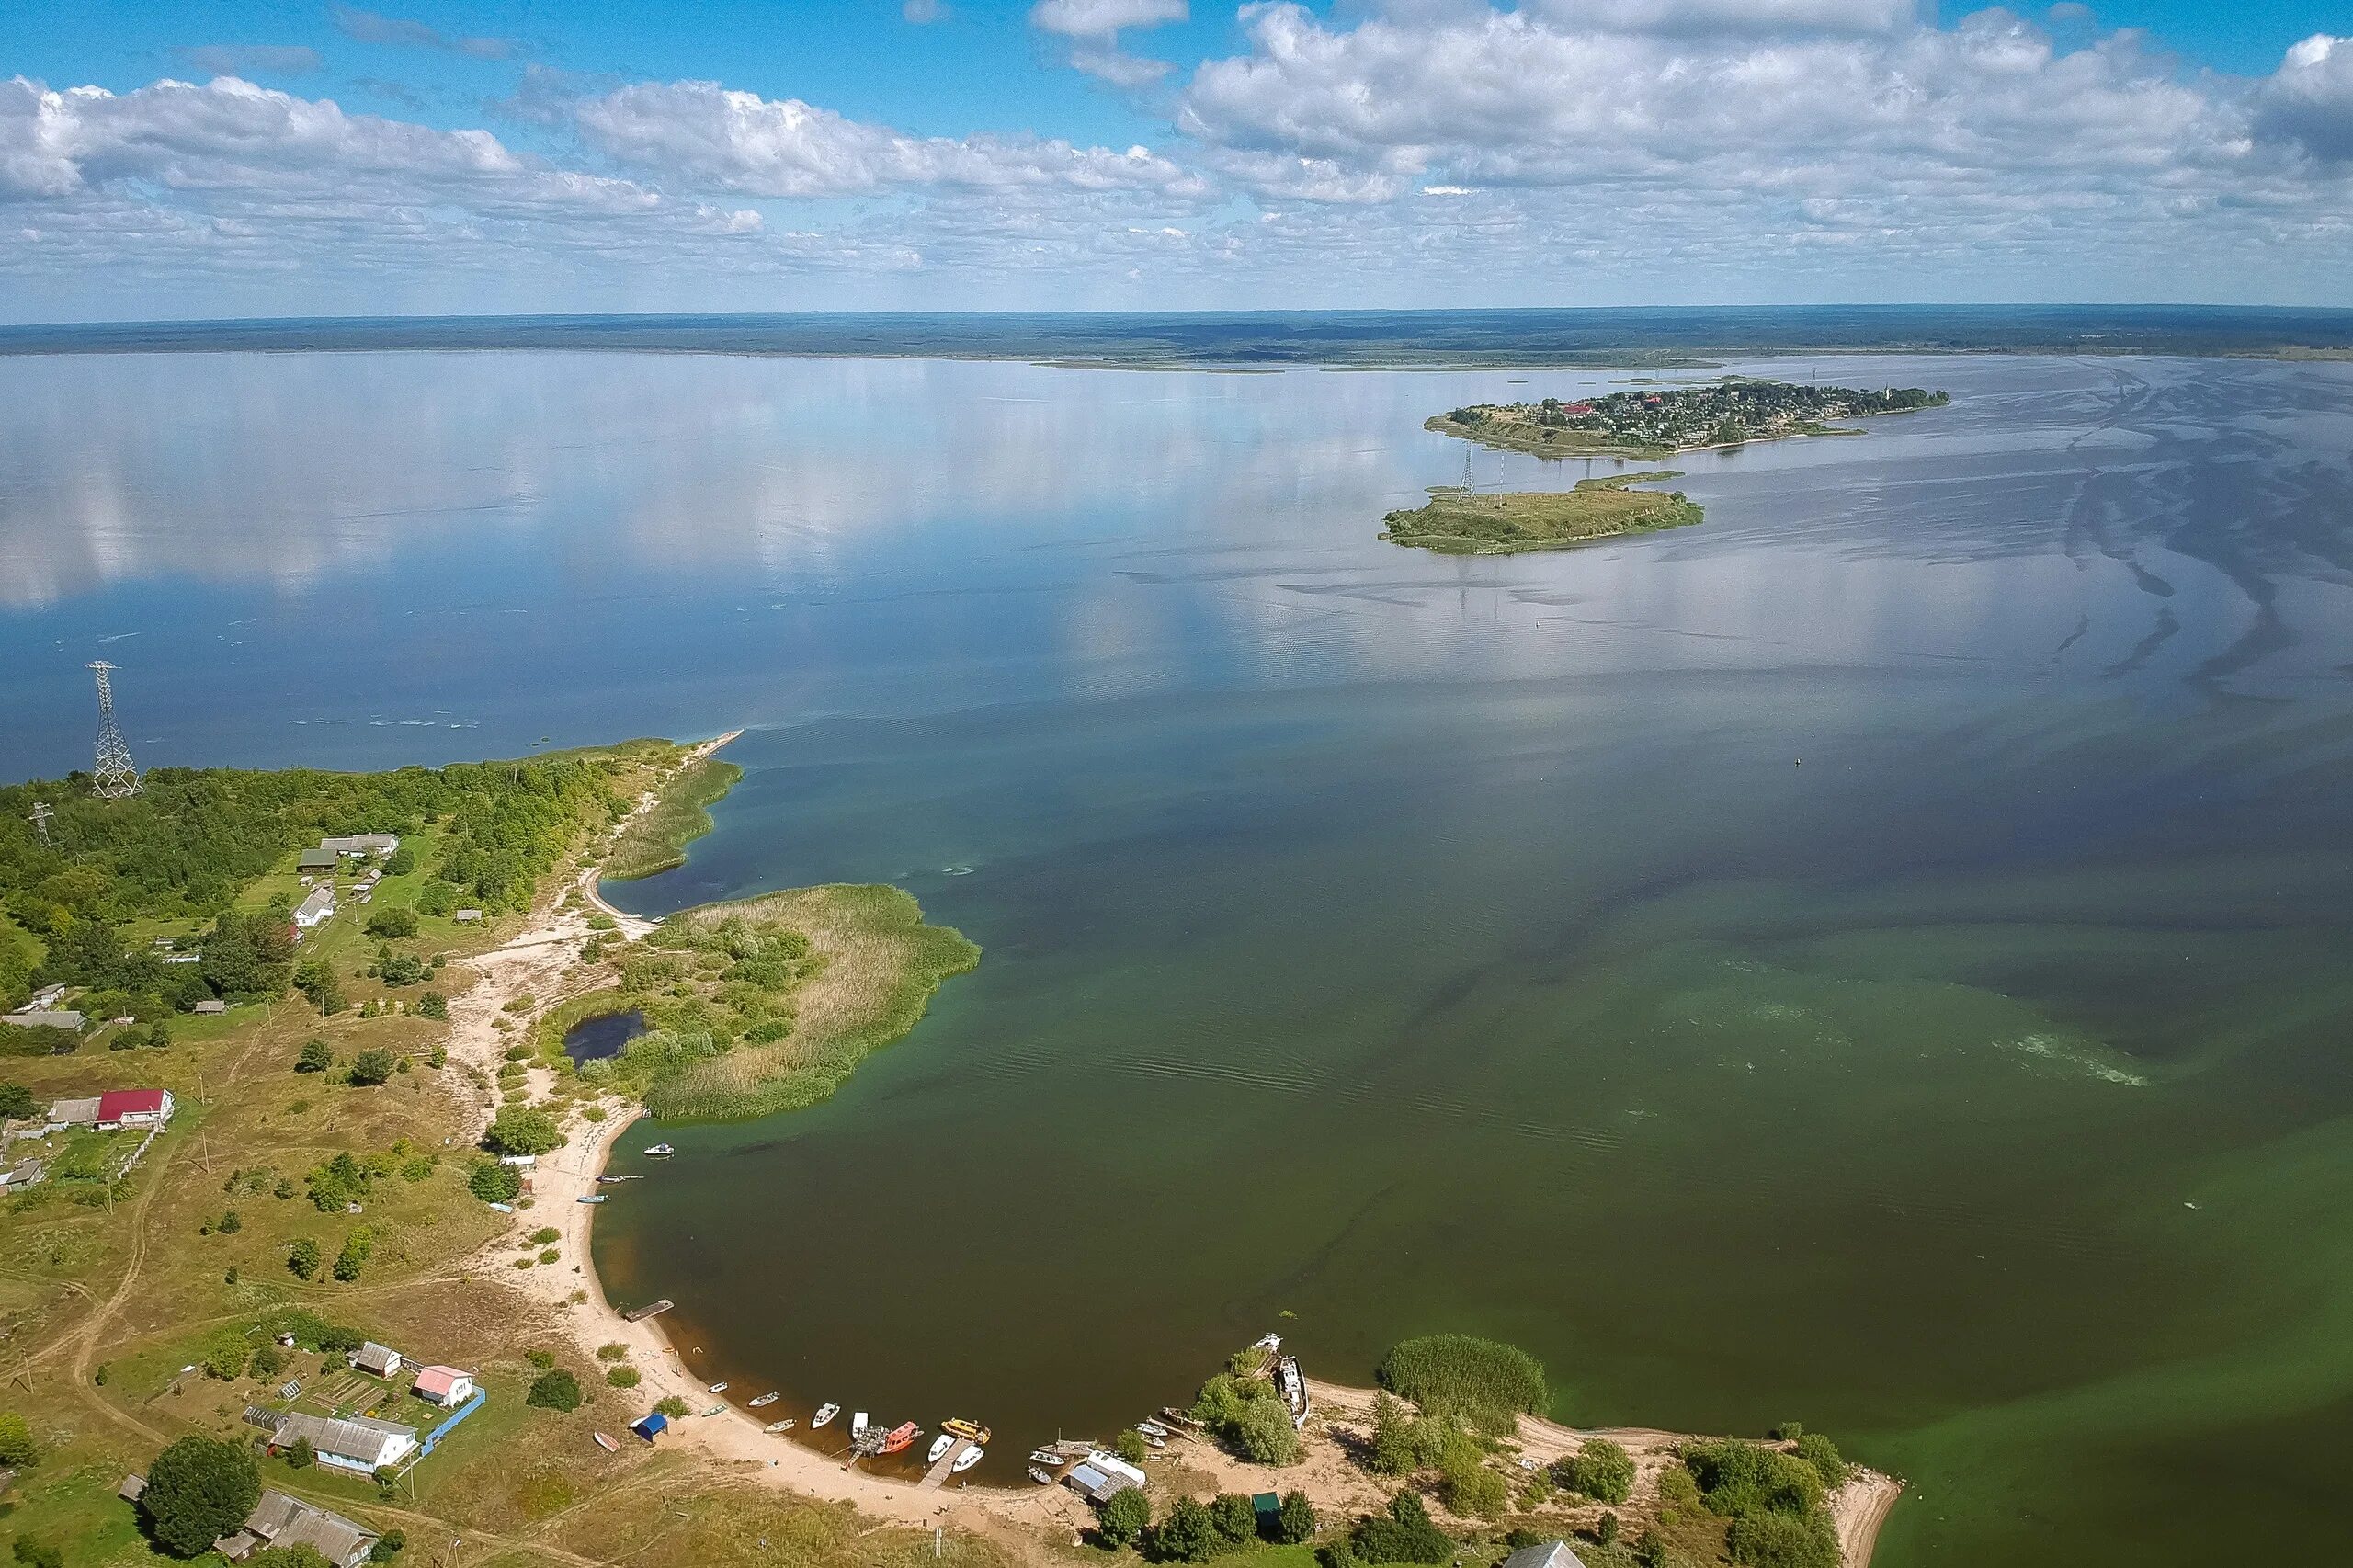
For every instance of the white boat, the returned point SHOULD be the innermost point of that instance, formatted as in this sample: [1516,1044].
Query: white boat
[593,1197]
[716,1410]
[783,1426]
[1046,1456]
[1040,1477]
[605,1443]
[825,1413]
[967,1459]
[1152,1428]
[1263,1342]
[939,1445]
[1157,1442]
[857,1426]
[719,1388]
[766,1399]
[660,1152]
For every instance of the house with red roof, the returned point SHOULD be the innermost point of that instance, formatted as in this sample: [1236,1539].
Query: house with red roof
[444,1386]
[133,1108]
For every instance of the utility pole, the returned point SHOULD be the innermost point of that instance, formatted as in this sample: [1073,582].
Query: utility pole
[41,814]
[113,776]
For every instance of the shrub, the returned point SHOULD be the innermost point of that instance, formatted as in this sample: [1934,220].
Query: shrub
[388,1546]
[1264,1433]
[432,1005]
[542,1359]
[392,922]
[199,1490]
[623,1376]
[545,1235]
[1600,1469]
[493,1183]
[356,1247]
[1480,1381]
[316,1056]
[1190,1534]
[556,1390]
[672,1406]
[1404,1534]
[300,1455]
[1738,1479]
[17,1449]
[373,1066]
[1296,1523]
[1397,1438]
[1474,1490]
[1822,1454]
[522,1130]
[15,1102]
[1783,1540]
[1130,1445]
[615,1351]
[38,1551]
[1125,1517]
[1235,1519]
[268,1362]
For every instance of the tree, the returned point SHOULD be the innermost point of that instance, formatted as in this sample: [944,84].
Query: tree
[1822,1454]
[1126,1515]
[493,1183]
[392,921]
[17,1449]
[300,1455]
[400,863]
[302,1259]
[1600,1469]
[1296,1523]
[388,1546]
[1130,1445]
[432,1005]
[375,1066]
[354,1255]
[1190,1534]
[1783,1540]
[301,1554]
[15,1102]
[39,1551]
[1404,1534]
[316,1056]
[315,978]
[1264,1433]
[1397,1447]
[1235,1519]
[556,1390]
[522,1130]
[199,1490]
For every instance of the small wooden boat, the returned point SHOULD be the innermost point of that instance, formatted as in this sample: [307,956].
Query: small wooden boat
[1152,1428]
[605,1443]
[593,1197]
[825,1413]
[660,1152]
[1047,1456]
[716,1410]
[966,1460]
[857,1426]
[719,1388]
[957,1426]
[1040,1477]
[940,1447]
[784,1426]
[650,1309]
[899,1436]
[766,1399]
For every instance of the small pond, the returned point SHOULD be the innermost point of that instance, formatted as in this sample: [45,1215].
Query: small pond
[592,1039]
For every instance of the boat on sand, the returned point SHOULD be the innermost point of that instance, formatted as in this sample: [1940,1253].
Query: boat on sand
[784,1426]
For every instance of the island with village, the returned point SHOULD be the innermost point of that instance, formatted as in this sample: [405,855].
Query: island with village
[1660,423]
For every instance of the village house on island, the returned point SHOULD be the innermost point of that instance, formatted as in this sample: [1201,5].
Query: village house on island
[133,1108]
[355,1442]
[1545,1554]
[444,1386]
[279,1523]
[380,1359]
[316,909]
[361,844]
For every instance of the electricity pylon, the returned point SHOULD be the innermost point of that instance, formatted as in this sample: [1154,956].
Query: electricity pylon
[113,776]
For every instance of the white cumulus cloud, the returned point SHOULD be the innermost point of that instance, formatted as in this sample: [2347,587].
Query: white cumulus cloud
[2309,100]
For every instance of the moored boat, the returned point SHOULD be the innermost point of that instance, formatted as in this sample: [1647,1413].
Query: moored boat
[1040,1477]
[899,1436]
[1047,1456]
[784,1426]
[719,1388]
[766,1399]
[1152,1428]
[939,1445]
[967,1459]
[660,1152]
[825,1413]
[593,1197]
[957,1426]
[857,1426]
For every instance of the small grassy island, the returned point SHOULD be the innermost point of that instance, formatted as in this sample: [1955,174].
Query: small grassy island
[1463,522]
[1676,419]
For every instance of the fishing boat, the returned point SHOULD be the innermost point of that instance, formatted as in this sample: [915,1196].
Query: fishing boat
[857,1426]
[957,1426]
[966,1460]
[766,1399]
[825,1413]
[939,1445]
[1040,1477]
[660,1152]
[605,1443]
[1157,1442]
[1263,1342]
[719,1388]
[784,1426]
[899,1436]
[1152,1428]
[593,1197]
[716,1410]
[1047,1456]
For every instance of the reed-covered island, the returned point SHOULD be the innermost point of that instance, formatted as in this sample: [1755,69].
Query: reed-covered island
[1468,522]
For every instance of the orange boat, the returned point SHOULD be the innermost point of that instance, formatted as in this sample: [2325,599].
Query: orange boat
[899,1437]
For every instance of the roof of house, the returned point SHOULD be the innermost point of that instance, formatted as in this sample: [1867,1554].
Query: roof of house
[1545,1554]
[212,1004]
[44,1017]
[70,1112]
[24,1174]
[438,1381]
[133,1487]
[116,1104]
[313,859]
[286,1522]
[376,1358]
[355,1437]
[321,902]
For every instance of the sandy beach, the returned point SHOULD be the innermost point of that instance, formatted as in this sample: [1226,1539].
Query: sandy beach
[542,961]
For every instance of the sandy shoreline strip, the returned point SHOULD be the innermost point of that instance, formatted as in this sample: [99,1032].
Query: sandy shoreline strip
[539,962]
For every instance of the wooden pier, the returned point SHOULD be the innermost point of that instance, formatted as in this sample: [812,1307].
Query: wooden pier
[937,1476]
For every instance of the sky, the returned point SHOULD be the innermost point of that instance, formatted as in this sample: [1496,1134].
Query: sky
[278,157]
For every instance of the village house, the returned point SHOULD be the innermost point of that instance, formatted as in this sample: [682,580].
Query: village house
[74,1113]
[1545,1554]
[133,1108]
[280,1523]
[353,1443]
[211,1005]
[45,1018]
[361,844]
[321,859]
[380,1359]
[445,1386]
[23,1177]
[316,909]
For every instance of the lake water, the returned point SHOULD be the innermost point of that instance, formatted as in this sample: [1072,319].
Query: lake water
[1876,958]
[593,1040]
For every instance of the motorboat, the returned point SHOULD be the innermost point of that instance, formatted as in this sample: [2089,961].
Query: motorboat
[899,1436]
[957,1426]
[660,1152]
[766,1399]
[716,1410]
[857,1426]
[967,1459]
[1263,1342]
[784,1426]
[1040,1477]
[593,1197]
[825,1413]
[1155,1442]
[1152,1428]
[1047,1456]
[719,1388]
[940,1447]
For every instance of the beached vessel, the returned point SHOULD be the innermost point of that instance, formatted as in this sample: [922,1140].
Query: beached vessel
[784,1426]
[825,1413]
[1155,1442]
[957,1426]
[1294,1389]
[967,1459]
[605,1443]
[766,1399]
[1040,1477]
[939,1445]
[660,1152]
[1152,1428]
[899,1436]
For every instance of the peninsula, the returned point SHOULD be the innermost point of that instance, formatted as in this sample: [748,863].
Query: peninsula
[1464,522]
[1730,413]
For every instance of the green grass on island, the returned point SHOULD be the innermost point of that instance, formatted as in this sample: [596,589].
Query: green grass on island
[657,841]
[1459,522]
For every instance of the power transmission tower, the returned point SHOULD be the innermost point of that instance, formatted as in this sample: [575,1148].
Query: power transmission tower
[114,776]
[1468,488]
[41,814]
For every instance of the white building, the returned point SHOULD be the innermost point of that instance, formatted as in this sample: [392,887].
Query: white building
[445,1386]
[316,909]
[355,1443]
[361,844]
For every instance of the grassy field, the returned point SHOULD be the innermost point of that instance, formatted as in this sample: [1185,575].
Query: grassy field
[1458,522]
[657,841]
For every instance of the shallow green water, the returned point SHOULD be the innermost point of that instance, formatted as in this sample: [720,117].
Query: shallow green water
[1875,959]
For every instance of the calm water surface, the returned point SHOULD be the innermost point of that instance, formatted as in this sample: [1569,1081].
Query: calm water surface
[1877,959]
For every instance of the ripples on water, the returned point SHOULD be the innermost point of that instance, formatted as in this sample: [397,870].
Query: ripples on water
[1801,966]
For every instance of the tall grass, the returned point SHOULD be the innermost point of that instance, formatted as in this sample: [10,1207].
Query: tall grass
[657,840]
[1483,1381]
